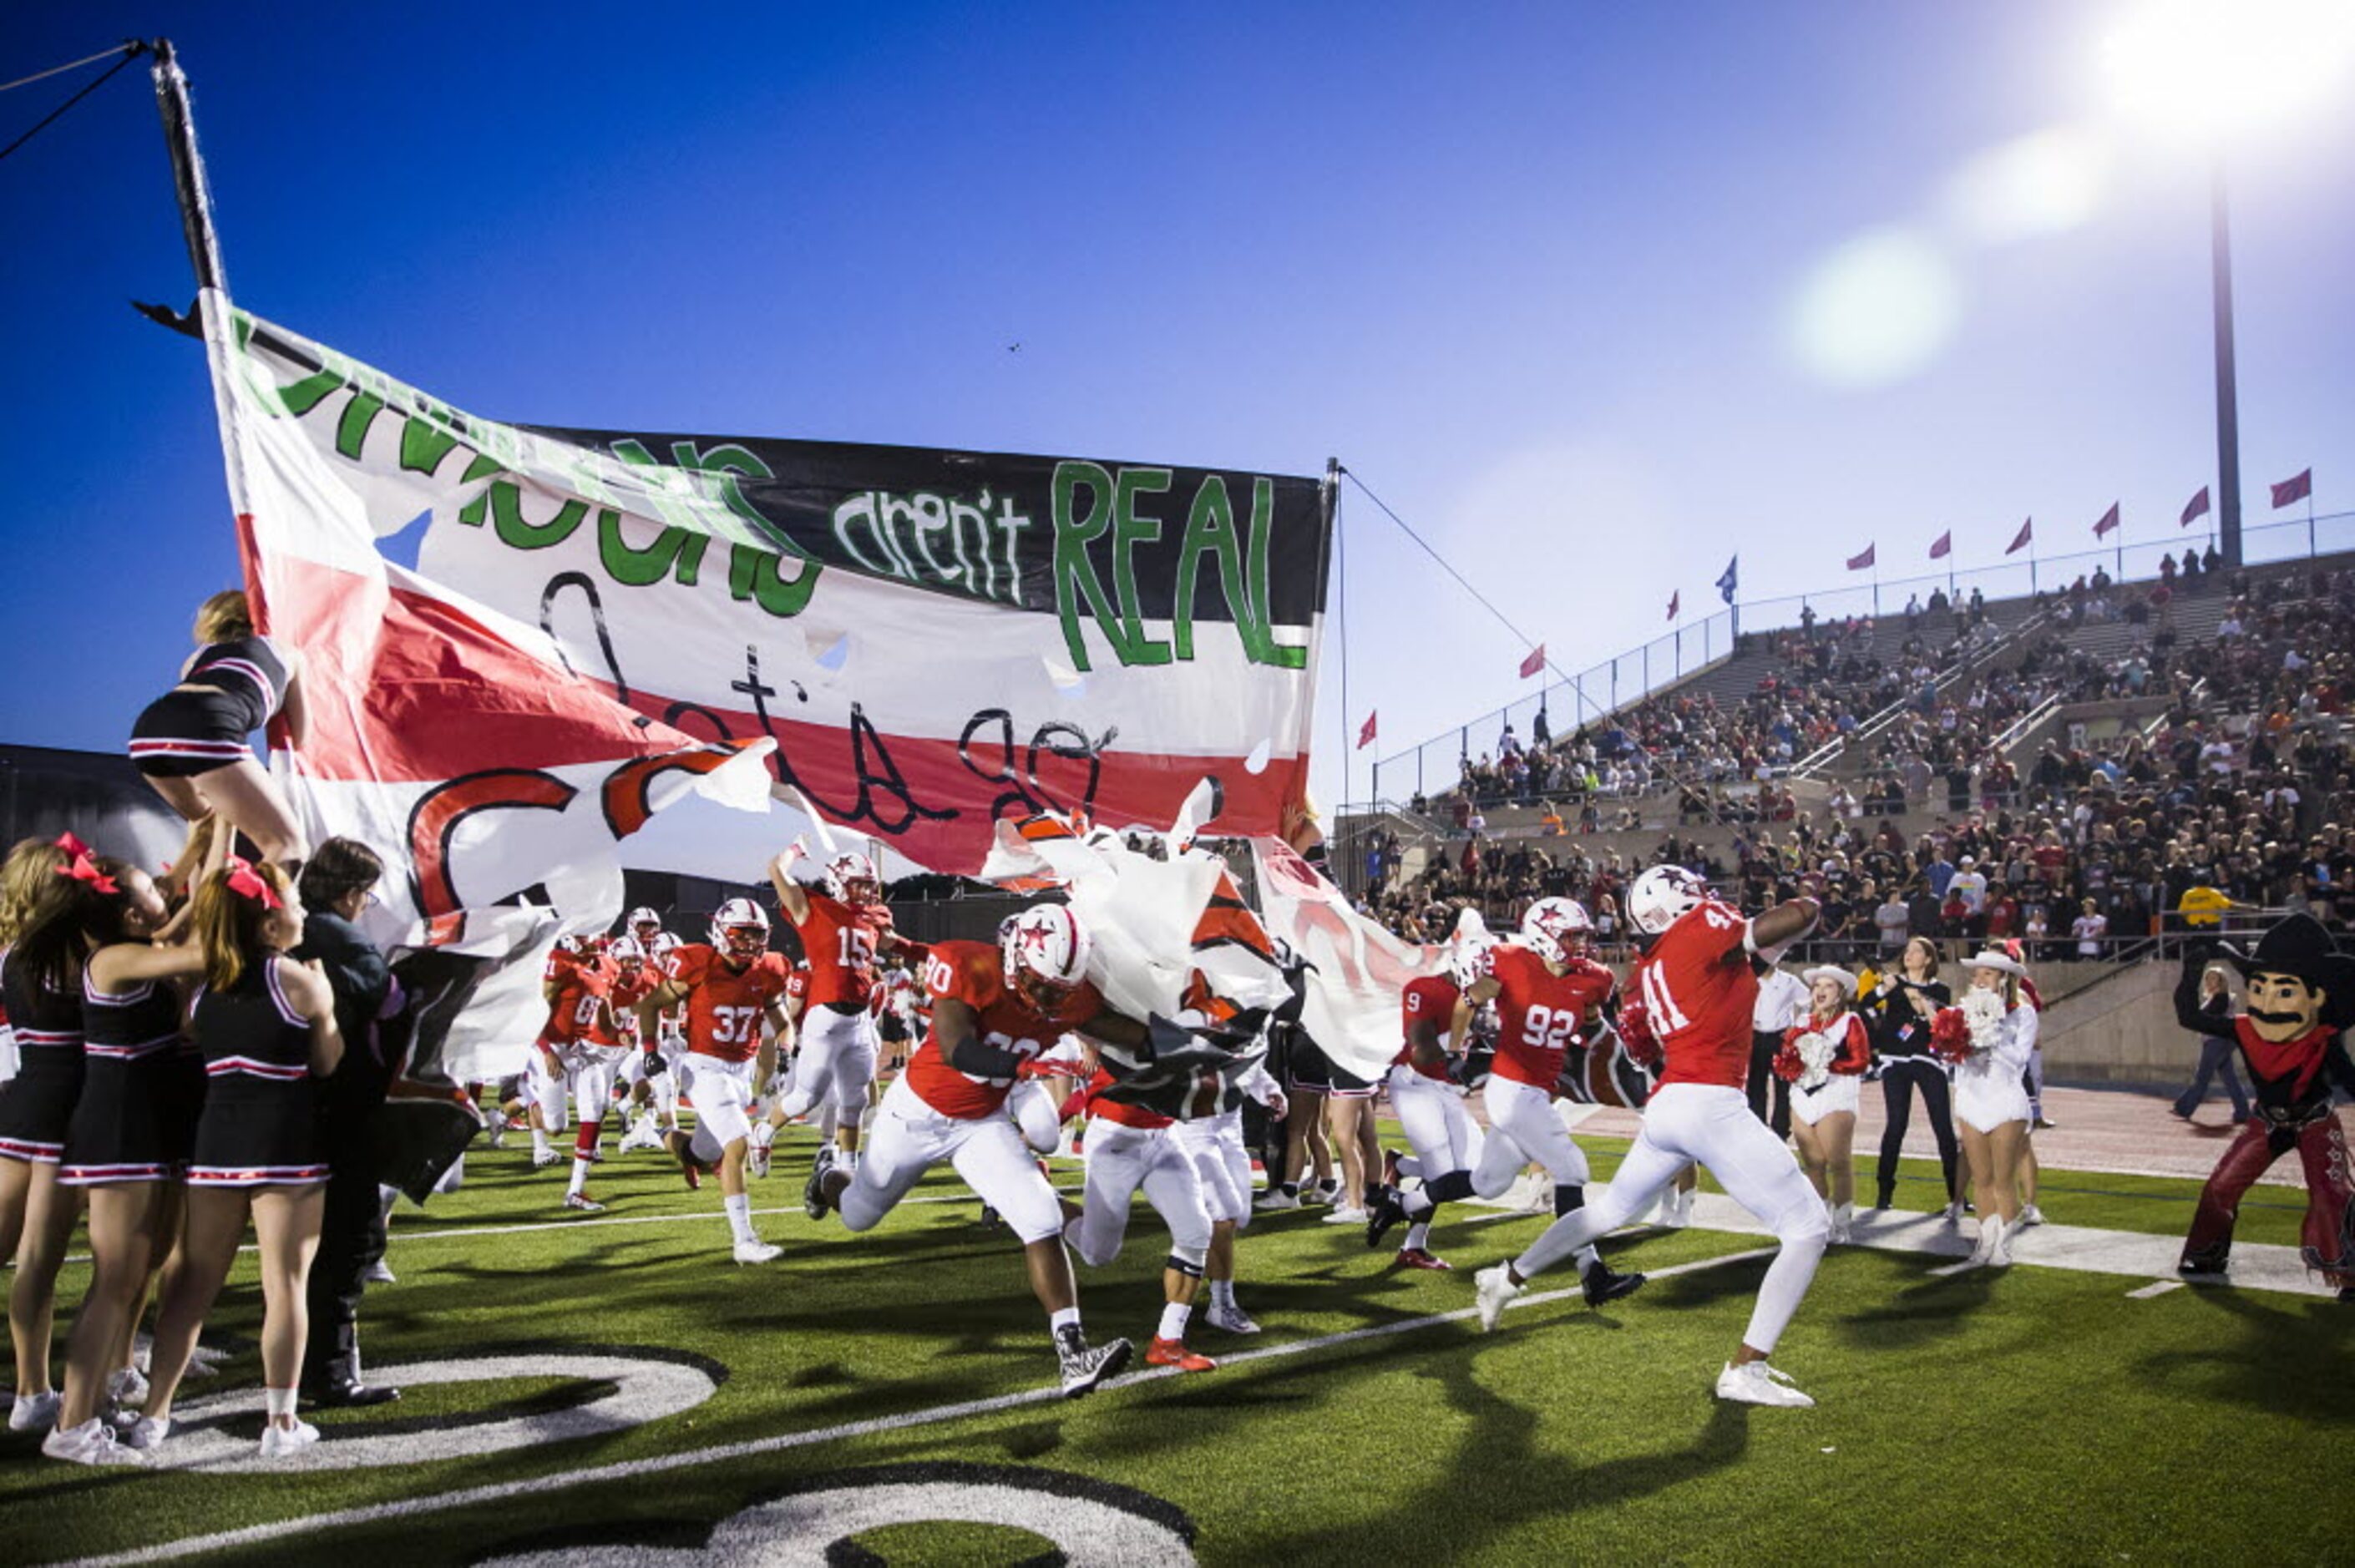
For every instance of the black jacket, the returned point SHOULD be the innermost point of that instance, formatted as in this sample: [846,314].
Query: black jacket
[360,980]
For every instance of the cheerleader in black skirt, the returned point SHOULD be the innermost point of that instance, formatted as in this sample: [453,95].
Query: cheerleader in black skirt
[127,1139]
[266,1025]
[192,743]
[37,1217]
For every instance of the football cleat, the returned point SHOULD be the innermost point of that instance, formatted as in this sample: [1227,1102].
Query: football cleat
[1755,1382]
[756,1155]
[498,1129]
[541,1159]
[1495,1288]
[35,1412]
[816,1200]
[583,1202]
[641,1135]
[1163,1352]
[1229,1320]
[758,1252]
[1415,1257]
[1601,1285]
[1085,1366]
[1383,1211]
[284,1442]
[92,1443]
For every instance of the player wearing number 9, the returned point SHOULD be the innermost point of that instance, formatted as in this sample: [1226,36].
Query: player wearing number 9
[1548,992]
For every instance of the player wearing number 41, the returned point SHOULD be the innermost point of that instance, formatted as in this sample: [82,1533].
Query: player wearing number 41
[838,912]
[1547,991]
[732,988]
[1696,985]
[994,1009]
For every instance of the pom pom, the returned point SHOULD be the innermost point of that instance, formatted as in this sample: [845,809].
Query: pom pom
[1950,1034]
[1787,1064]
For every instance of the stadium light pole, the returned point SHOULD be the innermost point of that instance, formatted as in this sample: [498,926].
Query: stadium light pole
[2228,411]
[188,180]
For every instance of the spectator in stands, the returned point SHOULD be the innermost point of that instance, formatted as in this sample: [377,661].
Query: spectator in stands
[2089,928]
[1894,922]
[1970,885]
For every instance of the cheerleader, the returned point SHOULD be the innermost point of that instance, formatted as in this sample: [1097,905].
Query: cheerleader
[37,1217]
[1901,1008]
[1823,1060]
[1991,1097]
[266,1025]
[191,743]
[126,1144]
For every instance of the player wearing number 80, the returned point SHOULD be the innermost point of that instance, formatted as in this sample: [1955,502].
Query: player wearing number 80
[1547,991]
[1696,983]
[731,988]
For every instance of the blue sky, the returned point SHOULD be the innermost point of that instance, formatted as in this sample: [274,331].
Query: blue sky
[1531,271]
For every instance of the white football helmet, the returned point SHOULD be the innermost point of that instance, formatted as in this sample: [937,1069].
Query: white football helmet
[660,947]
[1663,895]
[740,928]
[640,918]
[1557,930]
[625,950]
[1472,959]
[852,874]
[1046,950]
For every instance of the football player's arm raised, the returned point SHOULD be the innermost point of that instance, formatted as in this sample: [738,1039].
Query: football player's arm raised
[789,874]
[1775,929]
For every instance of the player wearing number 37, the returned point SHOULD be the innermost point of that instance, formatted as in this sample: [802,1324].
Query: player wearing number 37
[1696,986]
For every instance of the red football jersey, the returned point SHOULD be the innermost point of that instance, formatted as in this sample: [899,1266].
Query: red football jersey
[572,1017]
[1700,1003]
[839,940]
[1539,1011]
[625,994]
[1431,996]
[724,1005]
[972,973]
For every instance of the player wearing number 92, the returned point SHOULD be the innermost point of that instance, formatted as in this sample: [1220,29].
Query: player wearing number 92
[1697,984]
[994,1009]
[732,986]
[1548,992]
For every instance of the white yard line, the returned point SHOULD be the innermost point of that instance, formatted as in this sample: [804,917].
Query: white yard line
[2156,1288]
[410,1507]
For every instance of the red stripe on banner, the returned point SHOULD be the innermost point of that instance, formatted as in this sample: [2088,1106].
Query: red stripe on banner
[424,693]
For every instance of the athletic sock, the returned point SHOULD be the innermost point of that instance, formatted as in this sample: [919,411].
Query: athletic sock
[572,1188]
[1289,1189]
[539,1143]
[739,1217]
[1222,1293]
[1416,1203]
[1418,1236]
[1063,1318]
[1174,1316]
[278,1402]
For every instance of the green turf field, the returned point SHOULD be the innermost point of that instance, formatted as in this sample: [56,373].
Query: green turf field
[2036,1415]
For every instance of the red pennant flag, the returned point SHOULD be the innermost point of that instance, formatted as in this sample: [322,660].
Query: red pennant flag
[1674,599]
[1858,563]
[1945,545]
[1366,730]
[2297,487]
[2019,540]
[1534,663]
[2109,520]
[2195,507]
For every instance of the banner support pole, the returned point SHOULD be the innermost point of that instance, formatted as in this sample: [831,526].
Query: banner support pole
[188,182]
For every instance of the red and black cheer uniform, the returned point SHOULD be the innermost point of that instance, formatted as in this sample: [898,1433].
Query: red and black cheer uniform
[240,687]
[141,1090]
[39,1102]
[260,1120]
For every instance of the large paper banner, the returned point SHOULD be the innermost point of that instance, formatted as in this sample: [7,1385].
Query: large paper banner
[933,639]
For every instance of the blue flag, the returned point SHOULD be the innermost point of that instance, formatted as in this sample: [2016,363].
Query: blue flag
[1726,584]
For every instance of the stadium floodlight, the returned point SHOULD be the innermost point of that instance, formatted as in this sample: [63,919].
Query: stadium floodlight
[2199,74]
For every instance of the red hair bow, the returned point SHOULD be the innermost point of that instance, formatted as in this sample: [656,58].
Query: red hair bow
[80,867]
[247,883]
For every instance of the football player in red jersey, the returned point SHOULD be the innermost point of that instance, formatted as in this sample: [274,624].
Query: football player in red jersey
[732,988]
[1549,994]
[1431,1111]
[652,1069]
[994,1009]
[1131,1148]
[1696,982]
[838,912]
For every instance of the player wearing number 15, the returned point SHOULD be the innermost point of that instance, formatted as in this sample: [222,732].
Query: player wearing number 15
[837,910]
[1548,993]
[732,988]
[1697,984]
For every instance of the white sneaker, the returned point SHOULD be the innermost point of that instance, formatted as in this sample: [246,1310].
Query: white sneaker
[146,1433]
[1323,1193]
[282,1442]
[1495,1288]
[1230,1319]
[36,1412]
[92,1443]
[1955,1213]
[1755,1382]
[2031,1215]
[1346,1217]
[1999,1248]
[758,1252]
[380,1273]
[1843,1223]
[1277,1198]
[126,1385]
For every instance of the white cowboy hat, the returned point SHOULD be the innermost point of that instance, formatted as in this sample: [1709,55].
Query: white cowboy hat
[1992,959]
[1831,972]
